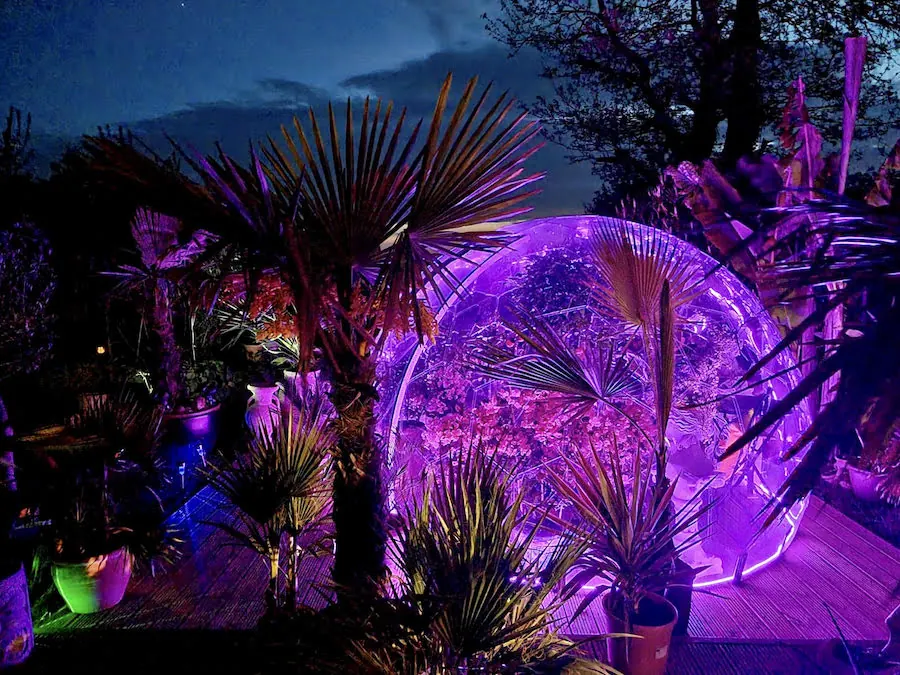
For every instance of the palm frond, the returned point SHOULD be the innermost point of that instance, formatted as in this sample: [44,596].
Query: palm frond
[381,201]
[581,378]
[468,547]
[280,482]
[632,269]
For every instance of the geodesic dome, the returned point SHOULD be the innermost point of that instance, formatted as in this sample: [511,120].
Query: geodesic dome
[438,403]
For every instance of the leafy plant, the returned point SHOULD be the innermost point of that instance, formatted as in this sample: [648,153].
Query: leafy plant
[362,227]
[279,488]
[826,267]
[27,285]
[106,495]
[204,384]
[471,571]
[630,534]
[581,380]
[164,261]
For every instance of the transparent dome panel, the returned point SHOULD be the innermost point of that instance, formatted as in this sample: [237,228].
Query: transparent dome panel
[442,402]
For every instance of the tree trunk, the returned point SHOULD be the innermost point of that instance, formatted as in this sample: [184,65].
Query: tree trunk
[272,590]
[293,573]
[744,107]
[358,502]
[164,345]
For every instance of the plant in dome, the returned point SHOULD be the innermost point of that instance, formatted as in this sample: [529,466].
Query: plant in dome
[362,227]
[640,283]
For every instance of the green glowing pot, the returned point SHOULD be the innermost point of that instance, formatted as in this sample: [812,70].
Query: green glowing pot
[94,585]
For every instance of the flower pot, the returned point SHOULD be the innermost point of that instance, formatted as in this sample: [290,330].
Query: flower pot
[680,593]
[654,624]
[263,408]
[188,440]
[16,629]
[865,483]
[94,585]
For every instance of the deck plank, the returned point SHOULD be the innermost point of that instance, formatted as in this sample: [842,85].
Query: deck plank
[833,560]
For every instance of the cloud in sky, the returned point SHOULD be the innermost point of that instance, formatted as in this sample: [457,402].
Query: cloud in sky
[414,85]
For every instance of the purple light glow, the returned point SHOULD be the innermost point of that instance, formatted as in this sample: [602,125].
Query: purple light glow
[433,400]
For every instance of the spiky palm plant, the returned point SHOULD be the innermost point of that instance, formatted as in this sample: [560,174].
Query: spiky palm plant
[854,262]
[163,262]
[627,531]
[279,486]
[362,226]
[827,268]
[469,560]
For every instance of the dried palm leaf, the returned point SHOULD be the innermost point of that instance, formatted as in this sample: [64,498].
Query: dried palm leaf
[632,268]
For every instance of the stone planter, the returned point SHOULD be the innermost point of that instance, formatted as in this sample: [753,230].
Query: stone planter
[263,408]
[95,584]
[865,483]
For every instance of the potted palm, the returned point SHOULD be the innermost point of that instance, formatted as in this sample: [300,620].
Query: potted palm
[279,488]
[101,501]
[189,388]
[475,591]
[631,541]
[362,228]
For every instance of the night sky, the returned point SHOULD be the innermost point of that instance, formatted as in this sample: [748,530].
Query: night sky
[232,70]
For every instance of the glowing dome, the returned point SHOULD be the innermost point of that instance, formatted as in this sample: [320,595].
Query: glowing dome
[439,403]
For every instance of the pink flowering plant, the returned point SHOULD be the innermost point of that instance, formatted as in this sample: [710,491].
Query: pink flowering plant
[494,384]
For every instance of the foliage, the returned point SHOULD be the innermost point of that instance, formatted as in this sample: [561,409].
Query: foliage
[27,285]
[826,267]
[627,531]
[164,262]
[478,591]
[105,495]
[638,85]
[204,384]
[362,227]
[597,375]
[279,487]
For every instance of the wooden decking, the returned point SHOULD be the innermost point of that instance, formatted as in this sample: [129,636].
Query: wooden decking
[833,564]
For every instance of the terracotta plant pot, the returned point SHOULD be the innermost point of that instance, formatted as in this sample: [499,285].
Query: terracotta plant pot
[94,585]
[865,483]
[654,624]
[16,629]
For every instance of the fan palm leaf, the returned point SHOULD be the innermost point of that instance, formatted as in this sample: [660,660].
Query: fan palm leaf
[580,378]
[279,485]
[468,549]
[381,202]
[632,268]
